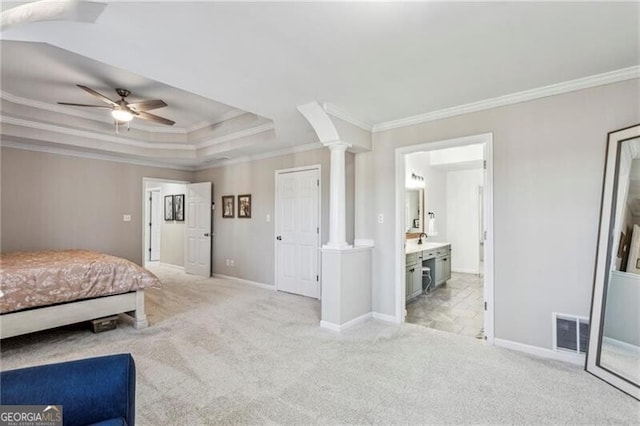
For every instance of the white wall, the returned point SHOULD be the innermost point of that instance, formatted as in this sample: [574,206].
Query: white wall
[172,231]
[457,155]
[463,219]
[548,157]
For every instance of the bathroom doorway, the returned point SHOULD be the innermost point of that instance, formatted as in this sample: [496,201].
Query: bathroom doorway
[444,202]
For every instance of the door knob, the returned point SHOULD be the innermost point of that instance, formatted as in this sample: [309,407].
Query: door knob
[279,238]
[206,234]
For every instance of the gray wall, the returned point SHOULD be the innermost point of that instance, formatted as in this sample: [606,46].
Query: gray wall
[53,201]
[250,242]
[548,168]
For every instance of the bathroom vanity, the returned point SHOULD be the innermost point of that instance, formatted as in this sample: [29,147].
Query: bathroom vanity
[436,256]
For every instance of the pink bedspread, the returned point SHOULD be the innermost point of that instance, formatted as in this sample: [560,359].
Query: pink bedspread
[30,279]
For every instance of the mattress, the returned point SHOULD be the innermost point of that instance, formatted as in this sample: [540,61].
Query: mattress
[34,279]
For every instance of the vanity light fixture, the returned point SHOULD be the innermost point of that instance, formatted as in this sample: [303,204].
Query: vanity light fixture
[415,181]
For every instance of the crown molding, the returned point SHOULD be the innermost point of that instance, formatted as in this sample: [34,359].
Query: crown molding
[236,135]
[345,116]
[83,154]
[514,98]
[93,135]
[189,147]
[61,109]
[271,154]
[229,115]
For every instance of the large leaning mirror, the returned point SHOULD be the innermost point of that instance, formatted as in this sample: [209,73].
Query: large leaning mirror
[614,337]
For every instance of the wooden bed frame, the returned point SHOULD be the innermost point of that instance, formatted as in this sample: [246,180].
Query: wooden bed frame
[22,322]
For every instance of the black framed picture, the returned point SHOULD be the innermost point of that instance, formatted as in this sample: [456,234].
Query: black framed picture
[244,206]
[178,207]
[168,207]
[228,206]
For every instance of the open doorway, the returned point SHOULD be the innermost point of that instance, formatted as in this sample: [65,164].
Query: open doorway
[163,230]
[444,217]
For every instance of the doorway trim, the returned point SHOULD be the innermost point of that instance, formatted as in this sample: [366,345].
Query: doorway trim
[148,217]
[317,167]
[145,206]
[400,153]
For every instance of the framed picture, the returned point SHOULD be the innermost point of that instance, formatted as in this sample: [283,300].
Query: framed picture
[168,207]
[228,206]
[244,206]
[178,207]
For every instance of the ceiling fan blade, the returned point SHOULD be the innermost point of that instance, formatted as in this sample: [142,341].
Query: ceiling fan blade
[147,105]
[100,96]
[84,105]
[146,116]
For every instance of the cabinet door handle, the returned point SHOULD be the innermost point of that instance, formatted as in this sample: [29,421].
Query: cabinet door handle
[412,269]
[444,260]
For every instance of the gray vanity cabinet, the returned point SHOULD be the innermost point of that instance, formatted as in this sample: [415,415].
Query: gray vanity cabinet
[443,265]
[438,259]
[413,275]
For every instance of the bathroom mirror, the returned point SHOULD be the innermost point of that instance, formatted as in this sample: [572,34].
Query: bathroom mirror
[614,337]
[414,211]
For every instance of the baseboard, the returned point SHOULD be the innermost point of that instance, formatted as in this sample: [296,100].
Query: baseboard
[384,317]
[541,352]
[172,266]
[330,326]
[243,281]
[356,320]
[336,327]
[627,347]
[465,271]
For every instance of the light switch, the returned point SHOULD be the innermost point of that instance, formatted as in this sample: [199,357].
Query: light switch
[268,218]
[380,218]
[126,218]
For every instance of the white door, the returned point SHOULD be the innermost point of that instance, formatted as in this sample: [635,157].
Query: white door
[197,254]
[298,232]
[155,224]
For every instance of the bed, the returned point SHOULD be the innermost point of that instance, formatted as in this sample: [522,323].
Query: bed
[47,289]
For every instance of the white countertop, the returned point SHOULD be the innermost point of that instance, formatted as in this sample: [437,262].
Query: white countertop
[413,246]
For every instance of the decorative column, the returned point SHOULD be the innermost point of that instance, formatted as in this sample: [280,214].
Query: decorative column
[337,196]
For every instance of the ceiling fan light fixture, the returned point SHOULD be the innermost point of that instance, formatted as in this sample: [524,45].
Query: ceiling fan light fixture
[121,115]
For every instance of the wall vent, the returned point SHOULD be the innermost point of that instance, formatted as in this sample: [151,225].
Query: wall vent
[570,333]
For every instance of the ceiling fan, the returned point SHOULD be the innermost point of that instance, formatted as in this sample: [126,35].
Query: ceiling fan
[123,111]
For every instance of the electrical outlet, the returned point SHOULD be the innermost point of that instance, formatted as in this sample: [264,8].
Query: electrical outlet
[126,218]
[233,262]
[380,218]
[226,262]
[268,218]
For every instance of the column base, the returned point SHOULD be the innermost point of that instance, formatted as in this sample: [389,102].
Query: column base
[337,246]
[346,286]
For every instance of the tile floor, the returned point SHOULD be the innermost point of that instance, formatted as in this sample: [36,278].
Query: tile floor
[455,307]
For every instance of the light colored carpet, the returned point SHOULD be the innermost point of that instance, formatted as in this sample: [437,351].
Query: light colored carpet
[220,352]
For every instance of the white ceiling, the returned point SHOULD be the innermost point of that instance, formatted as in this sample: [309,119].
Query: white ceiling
[44,73]
[377,61]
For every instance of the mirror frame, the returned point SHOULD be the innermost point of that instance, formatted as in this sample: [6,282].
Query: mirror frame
[606,244]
